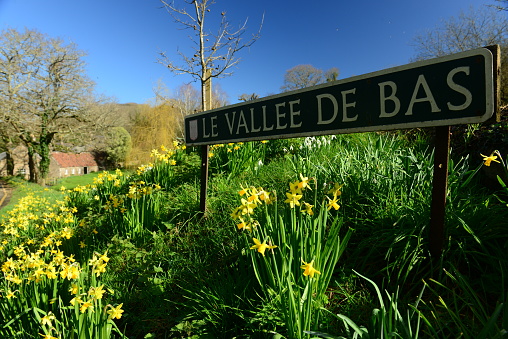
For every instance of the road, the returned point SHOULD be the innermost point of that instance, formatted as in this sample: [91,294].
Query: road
[5,195]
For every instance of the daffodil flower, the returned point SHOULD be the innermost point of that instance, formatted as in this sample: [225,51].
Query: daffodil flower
[96,292]
[308,269]
[46,320]
[304,183]
[335,190]
[294,187]
[488,159]
[243,225]
[332,203]
[261,247]
[115,312]
[293,199]
[308,208]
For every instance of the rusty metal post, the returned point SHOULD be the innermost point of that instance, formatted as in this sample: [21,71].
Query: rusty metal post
[204,179]
[206,101]
[439,188]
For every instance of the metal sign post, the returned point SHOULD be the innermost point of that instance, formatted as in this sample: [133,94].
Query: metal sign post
[439,190]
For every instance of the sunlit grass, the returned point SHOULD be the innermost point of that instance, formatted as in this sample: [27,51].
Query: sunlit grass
[178,275]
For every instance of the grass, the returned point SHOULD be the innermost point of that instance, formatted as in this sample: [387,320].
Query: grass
[181,276]
[74,181]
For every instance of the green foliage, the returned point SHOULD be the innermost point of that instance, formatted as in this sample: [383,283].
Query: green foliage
[389,320]
[178,274]
[118,144]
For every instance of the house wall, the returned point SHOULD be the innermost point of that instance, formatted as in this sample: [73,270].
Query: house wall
[54,169]
[69,171]
[3,164]
[19,156]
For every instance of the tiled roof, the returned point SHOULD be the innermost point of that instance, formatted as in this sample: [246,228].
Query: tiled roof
[74,160]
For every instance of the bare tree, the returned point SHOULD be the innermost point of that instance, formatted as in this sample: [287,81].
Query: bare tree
[248,97]
[501,6]
[219,97]
[214,53]
[302,76]
[188,99]
[471,29]
[43,91]
[332,74]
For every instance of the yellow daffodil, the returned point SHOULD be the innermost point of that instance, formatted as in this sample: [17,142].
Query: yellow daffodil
[335,190]
[243,225]
[85,306]
[96,292]
[74,289]
[293,199]
[488,159]
[10,294]
[115,312]
[247,207]
[309,269]
[295,188]
[307,208]
[47,336]
[265,196]
[304,183]
[76,300]
[332,203]
[261,247]
[46,320]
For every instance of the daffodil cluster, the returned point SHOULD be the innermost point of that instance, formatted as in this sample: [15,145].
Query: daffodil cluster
[295,194]
[33,214]
[106,177]
[166,155]
[140,188]
[252,198]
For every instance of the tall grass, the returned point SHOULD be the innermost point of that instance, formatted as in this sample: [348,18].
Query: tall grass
[179,275]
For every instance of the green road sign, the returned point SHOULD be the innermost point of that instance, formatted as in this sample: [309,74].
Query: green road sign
[455,89]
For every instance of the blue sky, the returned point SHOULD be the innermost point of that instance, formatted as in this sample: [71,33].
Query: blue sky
[123,38]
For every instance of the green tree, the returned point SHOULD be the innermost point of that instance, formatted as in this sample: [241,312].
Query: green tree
[118,145]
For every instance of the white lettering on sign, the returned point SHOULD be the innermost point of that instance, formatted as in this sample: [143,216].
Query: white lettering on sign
[383,98]
[280,115]
[320,108]
[421,84]
[265,128]
[428,96]
[293,113]
[458,88]
[345,106]
[242,123]
[230,123]
[252,128]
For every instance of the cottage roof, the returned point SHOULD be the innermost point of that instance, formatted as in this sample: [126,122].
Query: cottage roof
[74,160]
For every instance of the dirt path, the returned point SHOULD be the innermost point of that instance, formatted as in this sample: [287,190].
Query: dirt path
[5,193]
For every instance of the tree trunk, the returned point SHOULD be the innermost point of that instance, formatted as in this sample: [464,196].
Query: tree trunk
[32,168]
[43,150]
